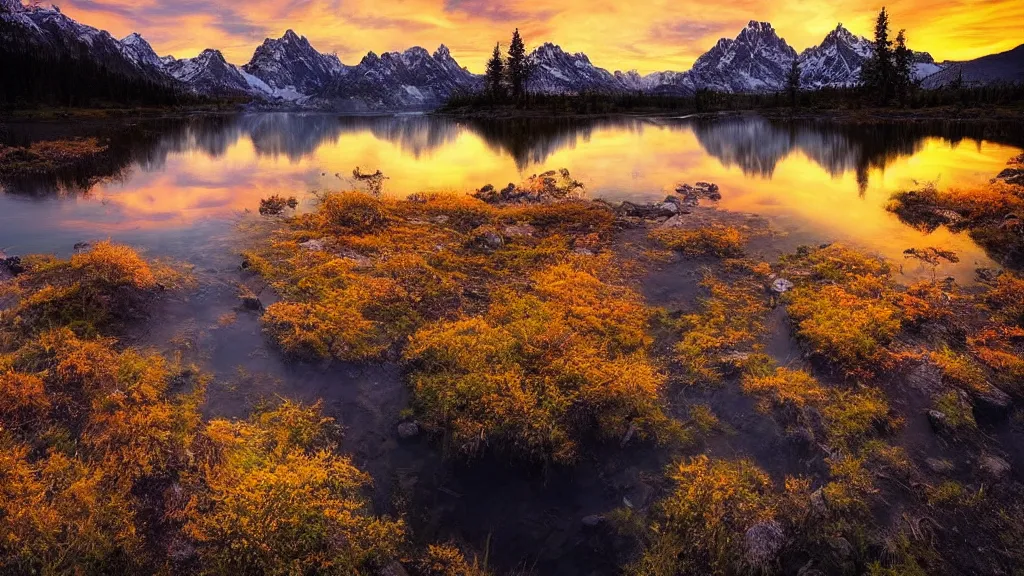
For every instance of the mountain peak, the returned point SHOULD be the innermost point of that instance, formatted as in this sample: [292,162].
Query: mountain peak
[290,34]
[442,53]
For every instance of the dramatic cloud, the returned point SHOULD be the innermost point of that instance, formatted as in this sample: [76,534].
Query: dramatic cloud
[647,36]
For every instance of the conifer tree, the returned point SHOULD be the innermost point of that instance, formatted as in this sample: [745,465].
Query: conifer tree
[793,82]
[518,67]
[877,73]
[903,68]
[496,74]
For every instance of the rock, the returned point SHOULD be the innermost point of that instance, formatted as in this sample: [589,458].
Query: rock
[801,437]
[407,430]
[762,543]
[13,265]
[79,246]
[818,505]
[674,222]
[519,231]
[648,211]
[357,259]
[583,251]
[314,245]
[669,207]
[181,551]
[639,496]
[486,238]
[938,420]
[939,465]
[987,274]
[781,286]
[440,219]
[593,520]
[994,467]
[990,403]
[251,302]
[842,547]
[393,568]
[809,570]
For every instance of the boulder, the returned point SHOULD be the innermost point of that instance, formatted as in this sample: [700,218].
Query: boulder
[990,403]
[251,302]
[393,568]
[762,543]
[994,467]
[938,420]
[407,430]
[939,465]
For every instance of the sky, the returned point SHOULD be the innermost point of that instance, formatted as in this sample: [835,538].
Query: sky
[645,35]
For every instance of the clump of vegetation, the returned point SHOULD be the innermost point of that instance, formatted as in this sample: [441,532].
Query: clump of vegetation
[784,386]
[551,186]
[714,240]
[361,274]
[730,320]
[990,213]
[537,371]
[275,204]
[282,465]
[699,527]
[846,312]
[87,292]
[448,560]
[48,156]
[374,181]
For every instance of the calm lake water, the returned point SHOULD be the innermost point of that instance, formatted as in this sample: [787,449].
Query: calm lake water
[175,187]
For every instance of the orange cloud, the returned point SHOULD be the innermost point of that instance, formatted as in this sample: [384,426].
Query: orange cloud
[647,36]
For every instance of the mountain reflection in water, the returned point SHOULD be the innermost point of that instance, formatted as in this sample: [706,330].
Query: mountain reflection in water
[817,180]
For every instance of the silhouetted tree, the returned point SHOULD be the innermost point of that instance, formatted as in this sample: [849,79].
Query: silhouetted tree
[903,68]
[877,73]
[496,73]
[793,82]
[518,67]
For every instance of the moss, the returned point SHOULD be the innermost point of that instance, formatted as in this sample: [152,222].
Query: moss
[715,240]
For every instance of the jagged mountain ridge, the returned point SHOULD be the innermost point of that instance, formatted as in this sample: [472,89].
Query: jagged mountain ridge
[1003,67]
[290,70]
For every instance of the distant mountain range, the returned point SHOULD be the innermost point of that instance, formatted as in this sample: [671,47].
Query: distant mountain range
[289,71]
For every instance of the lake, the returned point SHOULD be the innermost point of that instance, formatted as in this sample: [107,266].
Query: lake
[176,186]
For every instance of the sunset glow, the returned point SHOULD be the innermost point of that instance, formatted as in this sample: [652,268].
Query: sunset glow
[646,36]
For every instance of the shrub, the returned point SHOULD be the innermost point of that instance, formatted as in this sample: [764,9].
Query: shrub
[534,371]
[89,291]
[714,240]
[353,213]
[698,528]
[276,204]
[447,560]
[730,318]
[784,386]
[275,499]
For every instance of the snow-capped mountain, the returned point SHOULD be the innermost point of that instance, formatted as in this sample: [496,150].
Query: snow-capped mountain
[411,79]
[757,60]
[555,71]
[290,63]
[209,73]
[47,29]
[836,61]
[136,47]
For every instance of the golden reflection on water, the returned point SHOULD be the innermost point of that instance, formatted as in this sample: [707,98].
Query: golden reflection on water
[810,183]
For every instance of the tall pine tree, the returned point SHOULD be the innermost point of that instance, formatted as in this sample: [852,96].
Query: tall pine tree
[903,68]
[793,83]
[877,73]
[496,74]
[518,67]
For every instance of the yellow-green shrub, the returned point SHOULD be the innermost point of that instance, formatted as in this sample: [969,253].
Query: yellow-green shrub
[273,498]
[534,371]
[698,528]
[713,240]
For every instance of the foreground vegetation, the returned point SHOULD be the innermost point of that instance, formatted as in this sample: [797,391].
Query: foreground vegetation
[873,440]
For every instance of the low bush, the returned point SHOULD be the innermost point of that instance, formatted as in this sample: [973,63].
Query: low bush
[714,240]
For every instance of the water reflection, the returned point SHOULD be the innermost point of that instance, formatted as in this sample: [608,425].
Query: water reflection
[171,178]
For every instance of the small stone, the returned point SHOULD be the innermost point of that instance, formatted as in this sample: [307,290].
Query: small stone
[994,467]
[313,245]
[393,568]
[781,285]
[763,542]
[408,430]
[669,208]
[440,219]
[250,302]
[818,505]
[841,546]
[939,465]
[938,420]
[593,520]
[519,231]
